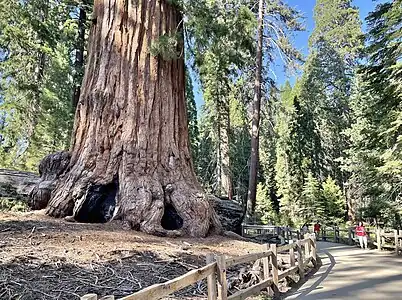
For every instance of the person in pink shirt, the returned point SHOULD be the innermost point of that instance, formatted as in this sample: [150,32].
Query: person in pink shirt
[362,235]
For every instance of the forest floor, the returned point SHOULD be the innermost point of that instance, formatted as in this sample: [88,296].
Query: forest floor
[46,258]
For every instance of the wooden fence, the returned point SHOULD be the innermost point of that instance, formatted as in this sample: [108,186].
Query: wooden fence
[378,237]
[300,254]
[288,234]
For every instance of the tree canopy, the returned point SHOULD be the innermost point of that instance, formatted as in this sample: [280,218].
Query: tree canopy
[329,144]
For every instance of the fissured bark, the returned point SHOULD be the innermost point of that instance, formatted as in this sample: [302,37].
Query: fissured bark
[130,130]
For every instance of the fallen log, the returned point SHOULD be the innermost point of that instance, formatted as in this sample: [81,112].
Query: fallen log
[25,184]
[17,183]
[230,214]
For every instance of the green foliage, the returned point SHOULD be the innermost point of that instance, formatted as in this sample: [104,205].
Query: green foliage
[36,79]
[264,207]
[222,42]
[373,157]
[338,23]
[334,200]
[192,119]
[331,139]
[239,137]
[289,177]
[312,206]
[166,46]
[13,204]
[313,116]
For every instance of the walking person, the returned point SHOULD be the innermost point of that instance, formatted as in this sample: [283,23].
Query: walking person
[304,229]
[362,235]
[317,228]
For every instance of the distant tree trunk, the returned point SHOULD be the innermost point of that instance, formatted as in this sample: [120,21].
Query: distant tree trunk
[130,156]
[226,185]
[255,130]
[79,56]
[37,92]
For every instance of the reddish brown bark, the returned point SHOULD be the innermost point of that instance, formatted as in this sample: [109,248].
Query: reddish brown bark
[79,55]
[255,130]
[130,130]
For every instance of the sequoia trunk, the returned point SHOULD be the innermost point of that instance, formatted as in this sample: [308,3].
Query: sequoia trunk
[130,155]
[255,129]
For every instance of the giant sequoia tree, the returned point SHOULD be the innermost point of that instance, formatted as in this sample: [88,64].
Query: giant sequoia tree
[130,146]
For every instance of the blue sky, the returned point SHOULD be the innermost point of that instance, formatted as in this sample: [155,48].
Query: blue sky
[301,38]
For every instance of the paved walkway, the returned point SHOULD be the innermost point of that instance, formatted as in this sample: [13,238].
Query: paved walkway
[351,273]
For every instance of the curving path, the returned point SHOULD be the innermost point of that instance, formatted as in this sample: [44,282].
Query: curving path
[352,273]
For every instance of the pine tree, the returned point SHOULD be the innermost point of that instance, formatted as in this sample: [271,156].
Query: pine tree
[373,157]
[271,16]
[264,208]
[288,168]
[334,201]
[192,119]
[311,203]
[337,22]
[325,88]
[240,96]
[223,41]
[37,46]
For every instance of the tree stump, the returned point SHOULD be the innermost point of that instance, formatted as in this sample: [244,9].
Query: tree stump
[50,169]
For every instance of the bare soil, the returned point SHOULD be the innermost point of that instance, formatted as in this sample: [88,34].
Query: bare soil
[46,258]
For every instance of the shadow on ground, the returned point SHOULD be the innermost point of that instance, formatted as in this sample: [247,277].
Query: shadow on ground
[351,273]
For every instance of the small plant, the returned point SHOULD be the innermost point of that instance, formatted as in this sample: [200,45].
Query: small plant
[13,204]
[166,47]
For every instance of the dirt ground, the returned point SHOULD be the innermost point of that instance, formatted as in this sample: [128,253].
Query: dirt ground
[46,258]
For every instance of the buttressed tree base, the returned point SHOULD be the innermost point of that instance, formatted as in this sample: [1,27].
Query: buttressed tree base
[130,157]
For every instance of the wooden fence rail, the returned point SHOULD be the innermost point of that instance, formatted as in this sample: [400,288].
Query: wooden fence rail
[300,254]
[379,238]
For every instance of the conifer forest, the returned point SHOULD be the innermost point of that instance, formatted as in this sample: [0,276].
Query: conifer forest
[163,105]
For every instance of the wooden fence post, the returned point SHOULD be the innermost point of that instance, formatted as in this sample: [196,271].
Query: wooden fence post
[275,271]
[89,297]
[396,242]
[265,263]
[292,257]
[300,259]
[378,235]
[338,235]
[313,240]
[334,234]
[307,248]
[350,240]
[222,283]
[211,280]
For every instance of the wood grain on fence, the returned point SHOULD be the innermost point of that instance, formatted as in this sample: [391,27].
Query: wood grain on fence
[211,280]
[215,272]
[246,258]
[252,290]
[160,290]
[222,282]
